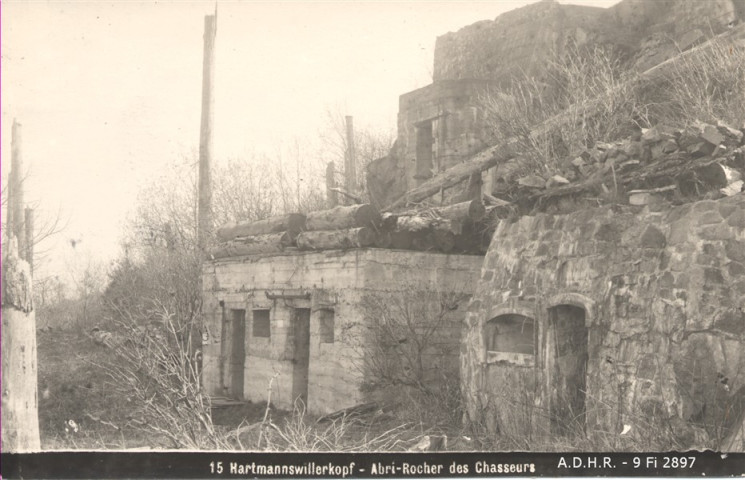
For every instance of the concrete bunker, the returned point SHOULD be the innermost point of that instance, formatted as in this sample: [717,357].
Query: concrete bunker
[299,324]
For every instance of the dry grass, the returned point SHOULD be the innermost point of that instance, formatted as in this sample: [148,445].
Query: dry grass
[73,386]
[599,102]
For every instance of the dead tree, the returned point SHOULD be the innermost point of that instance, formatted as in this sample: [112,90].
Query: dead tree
[20,425]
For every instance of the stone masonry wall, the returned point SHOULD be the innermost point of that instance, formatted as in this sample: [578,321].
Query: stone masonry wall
[663,292]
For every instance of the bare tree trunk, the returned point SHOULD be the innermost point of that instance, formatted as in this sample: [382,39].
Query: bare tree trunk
[28,255]
[205,133]
[16,202]
[20,424]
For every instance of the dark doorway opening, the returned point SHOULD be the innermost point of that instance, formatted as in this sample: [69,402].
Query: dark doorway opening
[237,352]
[301,358]
[424,155]
[567,368]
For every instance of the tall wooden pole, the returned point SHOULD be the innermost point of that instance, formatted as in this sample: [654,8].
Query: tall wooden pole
[20,425]
[205,134]
[331,195]
[350,168]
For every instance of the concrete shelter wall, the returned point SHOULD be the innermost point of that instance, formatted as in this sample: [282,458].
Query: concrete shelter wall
[335,279]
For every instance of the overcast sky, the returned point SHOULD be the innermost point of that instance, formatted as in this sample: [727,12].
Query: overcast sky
[109,93]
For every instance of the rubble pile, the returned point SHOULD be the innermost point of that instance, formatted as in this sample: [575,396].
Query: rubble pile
[656,164]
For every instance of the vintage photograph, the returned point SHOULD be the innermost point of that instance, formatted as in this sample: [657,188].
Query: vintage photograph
[310,226]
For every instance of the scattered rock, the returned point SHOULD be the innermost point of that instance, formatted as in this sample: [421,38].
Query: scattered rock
[633,149]
[532,181]
[645,198]
[578,162]
[669,146]
[711,134]
[733,188]
[586,170]
[556,180]
[719,151]
[700,149]
[651,135]
[732,133]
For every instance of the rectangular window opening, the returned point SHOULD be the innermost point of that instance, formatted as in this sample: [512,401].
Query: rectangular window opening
[326,319]
[261,326]
[424,154]
[510,338]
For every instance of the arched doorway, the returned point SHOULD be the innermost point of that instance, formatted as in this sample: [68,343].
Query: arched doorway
[566,368]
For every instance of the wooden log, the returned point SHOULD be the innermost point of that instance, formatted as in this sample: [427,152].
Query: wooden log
[343,217]
[444,240]
[423,241]
[401,239]
[292,223]
[383,239]
[473,210]
[470,239]
[483,160]
[257,244]
[388,221]
[413,223]
[336,239]
[417,223]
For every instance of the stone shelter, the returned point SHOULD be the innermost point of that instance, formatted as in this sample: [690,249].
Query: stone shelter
[599,310]
[287,315]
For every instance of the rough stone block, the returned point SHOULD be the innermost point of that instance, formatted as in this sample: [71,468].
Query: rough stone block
[711,134]
[732,321]
[653,238]
[666,280]
[735,269]
[713,276]
[735,250]
[644,198]
[700,149]
[718,231]
[669,146]
[737,219]
[709,218]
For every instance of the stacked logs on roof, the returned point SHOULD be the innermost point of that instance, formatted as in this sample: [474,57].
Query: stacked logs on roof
[464,228]
[459,228]
[340,227]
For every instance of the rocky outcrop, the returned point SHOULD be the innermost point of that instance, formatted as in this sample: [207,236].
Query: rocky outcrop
[523,40]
